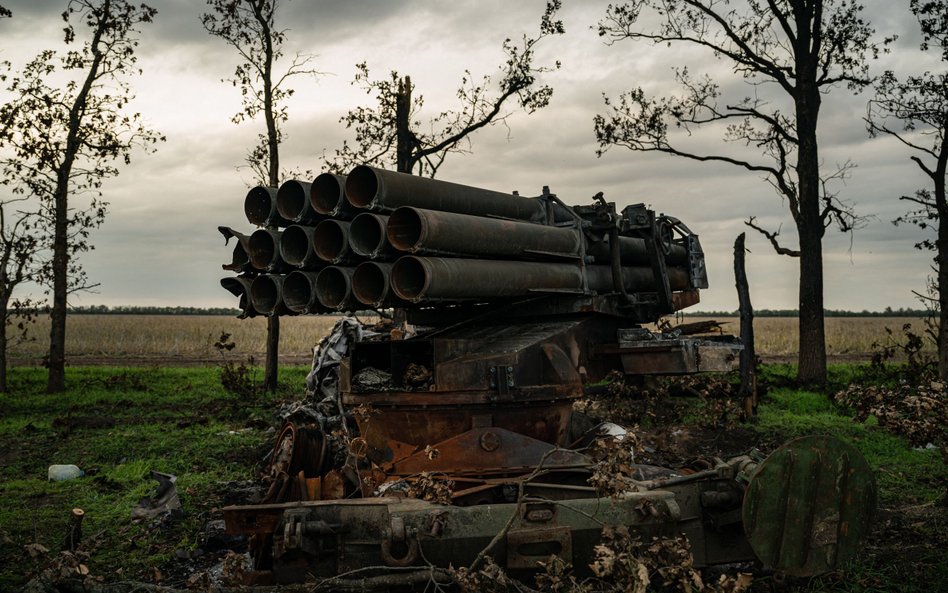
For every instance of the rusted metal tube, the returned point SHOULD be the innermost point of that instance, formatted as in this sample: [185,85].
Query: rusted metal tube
[264,251]
[367,236]
[239,286]
[331,241]
[296,247]
[334,288]
[417,230]
[384,191]
[293,202]
[417,279]
[299,293]
[328,196]
[260,206]
[266,294]
[632,251]
[371,284]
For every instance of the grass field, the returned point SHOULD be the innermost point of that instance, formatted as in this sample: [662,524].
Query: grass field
[184,338]
[127,338]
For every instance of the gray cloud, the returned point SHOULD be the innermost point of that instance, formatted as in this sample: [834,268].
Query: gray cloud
[160,246]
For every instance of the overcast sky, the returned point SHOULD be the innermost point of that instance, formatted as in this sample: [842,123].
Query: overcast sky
[159,245]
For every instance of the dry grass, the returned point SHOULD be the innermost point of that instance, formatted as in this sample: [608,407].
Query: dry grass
[188,338]
[172,337]
[845,336]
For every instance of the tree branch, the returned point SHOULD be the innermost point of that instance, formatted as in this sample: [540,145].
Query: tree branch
[772,237]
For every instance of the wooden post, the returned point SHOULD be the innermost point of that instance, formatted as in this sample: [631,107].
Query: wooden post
[748,388]
[273,352]
[74,532]
[403,137]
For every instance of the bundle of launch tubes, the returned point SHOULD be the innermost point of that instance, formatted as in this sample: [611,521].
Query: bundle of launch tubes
[376,239]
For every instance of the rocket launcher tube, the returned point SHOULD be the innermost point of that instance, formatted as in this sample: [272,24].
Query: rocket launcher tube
[296,247]
[334,288]
[384,191]
[331,241]
[417,230]
[371,284]
[418,279]
[293,202]
[367,236]
[327,196]
[260,206]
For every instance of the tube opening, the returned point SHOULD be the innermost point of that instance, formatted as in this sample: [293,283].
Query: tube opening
[258,205]
[330,241]
[263,249]
[294,245]
[297,292]
[264,294]
[291,199]
[361,186]
[326,192]
[404,229]
[370,283]
[366,234]
[332,287]
[409,278]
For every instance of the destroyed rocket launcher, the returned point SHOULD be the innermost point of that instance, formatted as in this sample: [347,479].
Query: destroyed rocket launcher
[524,306]
[377,239]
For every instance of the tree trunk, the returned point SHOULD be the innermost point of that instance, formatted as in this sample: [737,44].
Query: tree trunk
[4,316]
[748,388]
[272,364]
[403,144]
[941,254]
[812,356]
[56,380]
[808,217]
[941,260]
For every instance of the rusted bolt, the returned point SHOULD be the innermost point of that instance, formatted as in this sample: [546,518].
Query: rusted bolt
[490,441]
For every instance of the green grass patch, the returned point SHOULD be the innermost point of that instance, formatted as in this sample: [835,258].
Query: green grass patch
[118,424]
[903,473]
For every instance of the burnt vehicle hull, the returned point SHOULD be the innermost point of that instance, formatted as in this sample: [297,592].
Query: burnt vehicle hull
[803,511]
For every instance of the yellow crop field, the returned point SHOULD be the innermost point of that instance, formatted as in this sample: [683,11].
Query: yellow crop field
[170,338]
[189,339]
[846,337]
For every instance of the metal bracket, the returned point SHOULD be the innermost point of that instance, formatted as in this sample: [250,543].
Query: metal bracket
[502,379]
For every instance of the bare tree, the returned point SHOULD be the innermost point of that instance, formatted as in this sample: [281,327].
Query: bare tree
[249,26]
[20,261]
[65,138]
[789,51]
[390,133]
[915,111]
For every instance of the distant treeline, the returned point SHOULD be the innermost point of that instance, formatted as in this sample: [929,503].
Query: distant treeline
[888,312]
[136,310]
[132,310]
